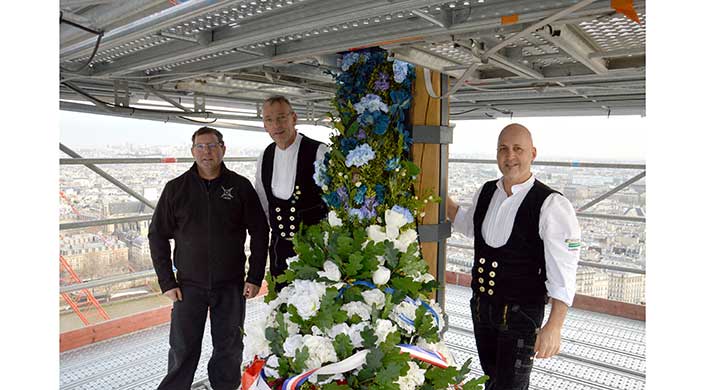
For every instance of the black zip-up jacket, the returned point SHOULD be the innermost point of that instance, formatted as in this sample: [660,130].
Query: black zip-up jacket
[208,227]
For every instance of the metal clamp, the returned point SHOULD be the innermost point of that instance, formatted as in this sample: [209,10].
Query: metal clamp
[425,134]
[434,232]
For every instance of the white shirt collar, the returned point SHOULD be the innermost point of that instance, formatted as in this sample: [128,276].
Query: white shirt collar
[294,145]
[517,188]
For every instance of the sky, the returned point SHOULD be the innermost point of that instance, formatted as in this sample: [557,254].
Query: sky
[33,127]
[617,138]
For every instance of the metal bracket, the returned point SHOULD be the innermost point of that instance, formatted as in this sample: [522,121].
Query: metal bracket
[434,233]
[121,91]
[199,102]
[425,134]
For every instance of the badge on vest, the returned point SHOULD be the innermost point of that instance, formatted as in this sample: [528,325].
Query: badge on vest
[573,244]
[227,193]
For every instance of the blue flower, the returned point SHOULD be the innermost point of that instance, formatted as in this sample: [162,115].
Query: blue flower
[342,194]
[347,144]
[360,195]
[382,83]
[371,103]
[400,99]
[348,60]
[392,164]
[320,174]
[381,124]
[379,193]
[405,212]
[332,199]
[400,70]
[361,134]
[367,118]
[360,156]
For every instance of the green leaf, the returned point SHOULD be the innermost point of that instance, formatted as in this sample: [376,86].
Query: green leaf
[334,386]
[354,265]
[283,369]
[391,255]
[343,346]
[300,359]
[425,325]
[474,384]
[369,340]
[406,285]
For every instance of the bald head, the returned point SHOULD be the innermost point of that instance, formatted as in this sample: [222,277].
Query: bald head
[515,153]
[515,131]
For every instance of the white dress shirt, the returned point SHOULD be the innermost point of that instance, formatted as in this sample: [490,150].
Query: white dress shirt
[284,175]
[558,228]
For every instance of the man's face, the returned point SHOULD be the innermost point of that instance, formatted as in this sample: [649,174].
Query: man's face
[207,151]
[280,123]
[515,153]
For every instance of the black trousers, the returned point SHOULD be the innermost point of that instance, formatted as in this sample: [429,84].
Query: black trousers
[505,335]
[188,321]
[280,249]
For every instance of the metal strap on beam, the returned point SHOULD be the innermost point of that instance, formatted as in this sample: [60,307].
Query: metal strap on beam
[613,191]
[108,281]
[108,177]
[425,134]
[572,164]
[103,222]
[144,160]
[434,233]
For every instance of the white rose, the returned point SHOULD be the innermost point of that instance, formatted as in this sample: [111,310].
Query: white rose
[337,329]
[320,350]
[360,308]
[413,378]
[374,298]
[394,219]
[423,278]
[376,234]
[382,329]
[256,344]
[330,271]
[292,260]
[291,326]
[306,297]
[405,239]
[439,347]
[404,314]
[381,275]
[270,367]
[292,344]
[356,333]
[333,219]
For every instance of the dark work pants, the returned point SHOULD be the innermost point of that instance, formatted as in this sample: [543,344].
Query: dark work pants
[280,249]
[505,336]
[188,320]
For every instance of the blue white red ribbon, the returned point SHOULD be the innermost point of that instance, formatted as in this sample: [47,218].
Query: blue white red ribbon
[431,357]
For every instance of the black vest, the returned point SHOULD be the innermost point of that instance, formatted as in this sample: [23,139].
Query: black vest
[516,271]
[305,204]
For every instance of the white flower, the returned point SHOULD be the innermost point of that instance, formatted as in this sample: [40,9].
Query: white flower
[439,311]
[337,329]
[291,326]
[356,333]
[292,260]
[333,219]
[314,379]
[382,329]
[306,297]
[256,344]
[292,344]
[316,331]
[394,219]
[375,233]
[360,308]
[381,275]
[423,278]
[413,378]
[320,350]
[330,271]
[405,239]
[404,314]
[270,367]
[374,298]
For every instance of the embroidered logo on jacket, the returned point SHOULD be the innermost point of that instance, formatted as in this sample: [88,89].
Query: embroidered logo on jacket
[227,193]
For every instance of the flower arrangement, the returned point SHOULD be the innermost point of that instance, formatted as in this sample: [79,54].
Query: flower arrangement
[356,312]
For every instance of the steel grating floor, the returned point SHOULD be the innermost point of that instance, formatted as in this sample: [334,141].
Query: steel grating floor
[599,351]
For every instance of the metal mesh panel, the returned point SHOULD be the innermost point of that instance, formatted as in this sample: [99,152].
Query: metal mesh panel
[617,32]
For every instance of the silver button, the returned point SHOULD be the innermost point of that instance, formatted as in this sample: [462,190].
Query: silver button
[291,218]
[492,274]
[279,217]
[490,291]
[291,234]
[283,234]
[482,289]
[480,270]
[494,264]
[293,209]
[292,227]
[277,209]
[281,226]
[491,283]
[482,260]
[481,280]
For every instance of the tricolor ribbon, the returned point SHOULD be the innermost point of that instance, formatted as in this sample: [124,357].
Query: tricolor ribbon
[349,364]
[435,358]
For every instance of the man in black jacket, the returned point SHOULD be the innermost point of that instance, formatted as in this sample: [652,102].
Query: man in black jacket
[207,212]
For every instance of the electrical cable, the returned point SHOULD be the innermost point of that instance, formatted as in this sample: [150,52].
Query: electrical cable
[95,48]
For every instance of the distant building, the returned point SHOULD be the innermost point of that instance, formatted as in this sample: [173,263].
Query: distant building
[592,282]
[626,287]
[91,256]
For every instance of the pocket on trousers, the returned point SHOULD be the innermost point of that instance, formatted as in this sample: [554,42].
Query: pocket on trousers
[525,318]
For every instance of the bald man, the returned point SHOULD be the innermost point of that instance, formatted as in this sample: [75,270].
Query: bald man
[527,246]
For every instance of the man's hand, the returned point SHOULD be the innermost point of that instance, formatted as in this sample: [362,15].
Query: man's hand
[174,294]
[451,208]
[250,291]
[548,342]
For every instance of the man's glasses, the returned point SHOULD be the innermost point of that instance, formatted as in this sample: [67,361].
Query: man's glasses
[281,118]
[204,147]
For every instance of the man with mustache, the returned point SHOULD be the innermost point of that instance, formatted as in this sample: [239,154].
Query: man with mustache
[284,181]
[527,246]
